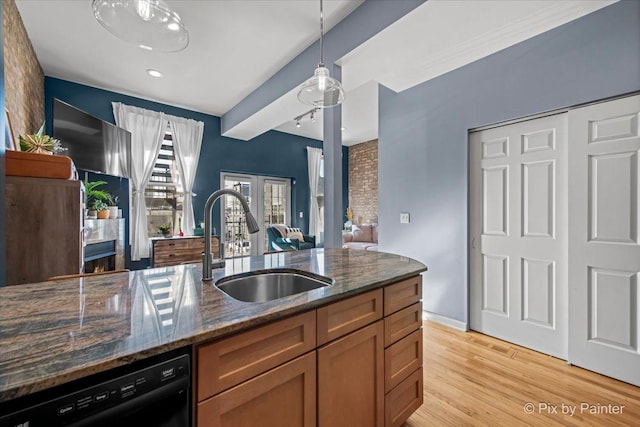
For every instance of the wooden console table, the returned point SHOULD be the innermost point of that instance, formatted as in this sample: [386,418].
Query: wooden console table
[180,250]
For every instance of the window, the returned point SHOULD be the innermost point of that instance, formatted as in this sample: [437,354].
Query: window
[163,194]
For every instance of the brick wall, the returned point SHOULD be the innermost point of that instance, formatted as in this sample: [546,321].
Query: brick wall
[23,76]
[363,181]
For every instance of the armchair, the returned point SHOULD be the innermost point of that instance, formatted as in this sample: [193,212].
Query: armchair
[278,240]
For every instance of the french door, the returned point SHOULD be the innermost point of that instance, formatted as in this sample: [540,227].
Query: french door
[270,201]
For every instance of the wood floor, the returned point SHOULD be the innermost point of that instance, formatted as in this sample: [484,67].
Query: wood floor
[474,379]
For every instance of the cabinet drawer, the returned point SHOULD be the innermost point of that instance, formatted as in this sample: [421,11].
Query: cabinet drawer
[402,294]
[230,361]
[402,323]
[403,400]
[340,318]
[285,395]
[401,359]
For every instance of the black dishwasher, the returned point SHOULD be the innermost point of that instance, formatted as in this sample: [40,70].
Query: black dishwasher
[154,392]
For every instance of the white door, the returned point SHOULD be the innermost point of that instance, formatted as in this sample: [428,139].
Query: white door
[236,240]
[518,232]
[270,201]
[604,255]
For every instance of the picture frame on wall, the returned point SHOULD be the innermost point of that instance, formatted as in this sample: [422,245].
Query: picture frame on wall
[9,139]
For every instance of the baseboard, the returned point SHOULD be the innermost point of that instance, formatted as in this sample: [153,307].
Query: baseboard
[446,321]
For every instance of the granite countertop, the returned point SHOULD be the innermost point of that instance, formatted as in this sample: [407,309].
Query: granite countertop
[55,332]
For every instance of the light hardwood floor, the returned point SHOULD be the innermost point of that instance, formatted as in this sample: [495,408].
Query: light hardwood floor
[474,379]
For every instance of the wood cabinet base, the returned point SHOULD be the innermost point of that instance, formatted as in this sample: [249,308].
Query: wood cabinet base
[403,400]
[282,396]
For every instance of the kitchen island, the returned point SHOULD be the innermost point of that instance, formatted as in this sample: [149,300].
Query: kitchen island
[56,332]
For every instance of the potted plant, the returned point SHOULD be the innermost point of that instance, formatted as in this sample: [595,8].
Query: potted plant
[101,208]
[94,194]
[40,143]
[165,229]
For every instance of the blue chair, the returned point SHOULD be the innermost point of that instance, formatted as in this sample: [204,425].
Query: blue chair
[278,241]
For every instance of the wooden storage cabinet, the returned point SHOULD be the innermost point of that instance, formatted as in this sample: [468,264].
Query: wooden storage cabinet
[369,367]
[179,250]
[230,361]
[340,318]
[403,400]
[285,395]
[350,379]
[44,228]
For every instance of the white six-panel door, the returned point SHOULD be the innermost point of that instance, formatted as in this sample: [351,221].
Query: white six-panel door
[518,231]
[604,240]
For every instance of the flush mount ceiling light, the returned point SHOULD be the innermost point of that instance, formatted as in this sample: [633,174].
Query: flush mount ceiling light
[321,90]
[150,24]
[154,73]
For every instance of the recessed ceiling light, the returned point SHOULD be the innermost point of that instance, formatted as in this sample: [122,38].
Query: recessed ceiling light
[145,47]
[173,26]
[154,73]
[343,129]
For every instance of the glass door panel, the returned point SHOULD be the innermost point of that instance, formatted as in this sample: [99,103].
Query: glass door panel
[276,206]
[270,203]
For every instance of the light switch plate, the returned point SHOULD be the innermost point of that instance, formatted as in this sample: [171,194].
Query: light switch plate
[404,218]
[301,214]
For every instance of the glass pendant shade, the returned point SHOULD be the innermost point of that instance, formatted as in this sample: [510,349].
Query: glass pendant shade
[321,90]
[150,24]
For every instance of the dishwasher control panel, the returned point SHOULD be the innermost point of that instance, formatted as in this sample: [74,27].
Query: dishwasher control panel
[67,409]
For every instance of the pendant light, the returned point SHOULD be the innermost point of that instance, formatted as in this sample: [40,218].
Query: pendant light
[150,24]
[321,90]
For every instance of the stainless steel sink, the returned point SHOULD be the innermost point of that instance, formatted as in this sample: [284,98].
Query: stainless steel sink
[270,285]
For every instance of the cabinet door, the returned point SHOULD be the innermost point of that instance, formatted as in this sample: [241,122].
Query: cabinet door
[282,396]
[351,379]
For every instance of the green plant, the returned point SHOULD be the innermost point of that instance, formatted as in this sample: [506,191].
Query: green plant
[94,194]
[164,228]
[40,143]
[99,205]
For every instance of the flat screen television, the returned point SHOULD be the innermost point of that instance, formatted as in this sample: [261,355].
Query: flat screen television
[93,144]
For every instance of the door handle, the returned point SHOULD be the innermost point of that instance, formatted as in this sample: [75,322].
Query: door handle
[473,243]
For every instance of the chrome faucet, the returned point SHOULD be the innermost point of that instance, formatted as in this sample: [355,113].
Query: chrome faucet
[252,226]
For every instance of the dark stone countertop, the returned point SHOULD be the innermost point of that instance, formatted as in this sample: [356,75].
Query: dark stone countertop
[55,332]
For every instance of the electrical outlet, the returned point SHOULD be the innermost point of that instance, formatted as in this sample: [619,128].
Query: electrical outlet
[404,218]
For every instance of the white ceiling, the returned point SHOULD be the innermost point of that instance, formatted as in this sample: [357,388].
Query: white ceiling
[235,46]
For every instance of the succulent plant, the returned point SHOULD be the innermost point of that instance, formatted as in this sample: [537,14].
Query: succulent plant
[40,143]
[164,228]
[99,205]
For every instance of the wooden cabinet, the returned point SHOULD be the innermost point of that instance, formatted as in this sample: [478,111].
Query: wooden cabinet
[351,379]
[230,361]
[403,352]
[284,396]
[369,367]
[342,317]
[180,250]
[44,227]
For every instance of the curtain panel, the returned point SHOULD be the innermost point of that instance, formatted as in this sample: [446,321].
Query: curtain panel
[314,158]
[147,133]
[187,141]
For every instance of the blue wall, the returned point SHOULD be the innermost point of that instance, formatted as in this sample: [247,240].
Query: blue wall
[423,133]
[272,153]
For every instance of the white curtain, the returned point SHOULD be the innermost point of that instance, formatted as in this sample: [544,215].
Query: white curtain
[314,157]
[147,132]
[187,140]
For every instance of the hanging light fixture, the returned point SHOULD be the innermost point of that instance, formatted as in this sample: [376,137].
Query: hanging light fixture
[321,90]
[150,24]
